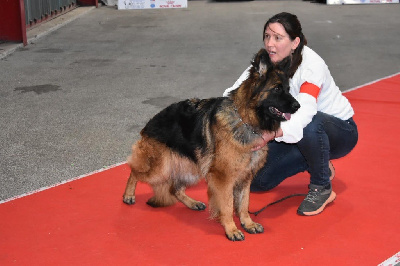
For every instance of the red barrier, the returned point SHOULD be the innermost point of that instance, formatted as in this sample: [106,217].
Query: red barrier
[12,21]
[89,3]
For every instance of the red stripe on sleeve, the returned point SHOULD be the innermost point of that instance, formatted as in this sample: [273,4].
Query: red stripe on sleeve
[311,89]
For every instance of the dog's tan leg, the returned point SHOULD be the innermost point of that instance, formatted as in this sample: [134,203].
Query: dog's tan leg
[221,204]
[242,202]
[129,195]
[188,201]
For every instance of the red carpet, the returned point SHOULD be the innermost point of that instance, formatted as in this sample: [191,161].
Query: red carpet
[84,222]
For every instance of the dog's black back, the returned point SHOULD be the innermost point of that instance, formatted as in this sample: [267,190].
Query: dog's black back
[180,125]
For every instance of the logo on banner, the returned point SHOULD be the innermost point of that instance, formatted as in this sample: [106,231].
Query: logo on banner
[142,4]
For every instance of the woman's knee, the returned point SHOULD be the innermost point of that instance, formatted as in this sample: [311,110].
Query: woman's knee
[316,124]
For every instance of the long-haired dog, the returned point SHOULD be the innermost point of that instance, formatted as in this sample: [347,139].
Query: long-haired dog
[220,139]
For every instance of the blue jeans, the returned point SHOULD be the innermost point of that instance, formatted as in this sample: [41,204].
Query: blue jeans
[325,138]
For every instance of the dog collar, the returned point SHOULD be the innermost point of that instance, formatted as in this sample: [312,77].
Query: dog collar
[255,132]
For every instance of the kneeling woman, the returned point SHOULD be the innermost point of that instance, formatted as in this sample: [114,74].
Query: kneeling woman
[321,130]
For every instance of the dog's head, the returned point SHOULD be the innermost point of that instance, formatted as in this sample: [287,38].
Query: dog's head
[270,95]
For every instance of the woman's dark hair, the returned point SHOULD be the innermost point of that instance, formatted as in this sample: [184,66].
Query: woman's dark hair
[293,27]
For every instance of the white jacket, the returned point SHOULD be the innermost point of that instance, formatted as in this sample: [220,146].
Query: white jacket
[330,99]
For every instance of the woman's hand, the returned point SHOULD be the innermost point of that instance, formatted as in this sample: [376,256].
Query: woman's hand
[279,133]
[266,137]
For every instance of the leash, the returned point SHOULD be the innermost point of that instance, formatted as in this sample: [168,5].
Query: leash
[275,202]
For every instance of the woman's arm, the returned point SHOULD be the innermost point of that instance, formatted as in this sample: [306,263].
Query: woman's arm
[292,131]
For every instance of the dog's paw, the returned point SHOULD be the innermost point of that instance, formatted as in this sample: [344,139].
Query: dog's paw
[235,235]
[130,200]
[199,206]
[254,228]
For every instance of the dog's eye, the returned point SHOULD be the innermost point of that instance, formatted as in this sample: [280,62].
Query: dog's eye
[276,89]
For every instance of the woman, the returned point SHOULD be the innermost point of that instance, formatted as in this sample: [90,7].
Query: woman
[321,130]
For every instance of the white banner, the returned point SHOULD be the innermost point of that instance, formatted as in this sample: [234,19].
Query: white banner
[144,4]
[346,2]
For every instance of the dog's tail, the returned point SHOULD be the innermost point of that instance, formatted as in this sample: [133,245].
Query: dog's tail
[162,196]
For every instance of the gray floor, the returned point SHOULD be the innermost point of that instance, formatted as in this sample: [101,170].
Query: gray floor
[73,101]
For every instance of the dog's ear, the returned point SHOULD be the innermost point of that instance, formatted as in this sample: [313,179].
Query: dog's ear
[261,62]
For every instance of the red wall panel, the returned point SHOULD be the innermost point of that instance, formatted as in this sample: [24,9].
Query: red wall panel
[12,21]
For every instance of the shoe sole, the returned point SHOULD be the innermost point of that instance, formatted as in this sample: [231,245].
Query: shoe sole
[331,198]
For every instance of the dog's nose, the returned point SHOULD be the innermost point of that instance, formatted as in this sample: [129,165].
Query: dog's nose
[295,105]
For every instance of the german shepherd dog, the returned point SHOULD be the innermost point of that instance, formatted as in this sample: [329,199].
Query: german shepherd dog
[219,139]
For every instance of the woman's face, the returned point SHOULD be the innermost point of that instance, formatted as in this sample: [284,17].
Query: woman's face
[278,43]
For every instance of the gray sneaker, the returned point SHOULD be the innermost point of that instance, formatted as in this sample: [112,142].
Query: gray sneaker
[316,200]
